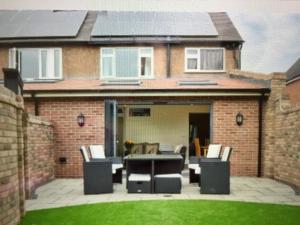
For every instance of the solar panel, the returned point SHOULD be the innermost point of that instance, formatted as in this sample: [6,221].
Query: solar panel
[42,23]
[153,24]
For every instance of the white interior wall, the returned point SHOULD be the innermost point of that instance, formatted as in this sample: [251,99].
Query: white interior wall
[168,124]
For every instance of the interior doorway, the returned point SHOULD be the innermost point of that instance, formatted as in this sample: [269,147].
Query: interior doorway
[199,127]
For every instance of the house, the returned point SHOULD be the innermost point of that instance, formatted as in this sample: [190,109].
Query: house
[293,82]
[158,77]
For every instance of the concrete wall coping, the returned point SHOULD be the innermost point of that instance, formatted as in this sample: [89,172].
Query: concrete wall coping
[248,74]
[38,120]
[10,98]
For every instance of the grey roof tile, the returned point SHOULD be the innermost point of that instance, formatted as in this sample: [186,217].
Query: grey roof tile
[293,71]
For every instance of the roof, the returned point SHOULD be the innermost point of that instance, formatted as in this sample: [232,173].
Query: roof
[42,23]
[294,71]
[166,84]
[213,27]
[137,23]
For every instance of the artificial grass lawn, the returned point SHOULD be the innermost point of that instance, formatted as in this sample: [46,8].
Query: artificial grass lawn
[172,212]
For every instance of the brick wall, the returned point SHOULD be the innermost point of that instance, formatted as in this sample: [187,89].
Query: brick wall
[68,135]
[282,134]
[243,139]
[39,153]
[11,158]
[281,130]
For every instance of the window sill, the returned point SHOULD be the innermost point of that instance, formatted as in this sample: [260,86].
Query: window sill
[42,80]
[205,71]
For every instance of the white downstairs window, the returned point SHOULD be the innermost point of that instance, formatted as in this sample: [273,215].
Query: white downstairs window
[126,63]
[37,63]
[204,59]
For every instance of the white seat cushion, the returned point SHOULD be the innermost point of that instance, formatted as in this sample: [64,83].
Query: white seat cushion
[171,175]
[97,151]
[193,166]
[85,153]
[139,177]
[214,151]
[198,170]
[116,166]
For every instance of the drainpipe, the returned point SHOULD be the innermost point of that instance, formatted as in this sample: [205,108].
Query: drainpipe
[260,111]
[36,104]
[240,56]
[168,60]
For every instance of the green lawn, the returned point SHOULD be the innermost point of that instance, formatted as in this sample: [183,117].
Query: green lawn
[172,212]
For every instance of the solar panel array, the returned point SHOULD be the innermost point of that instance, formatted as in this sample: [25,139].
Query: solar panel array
[42,23]
[153,24]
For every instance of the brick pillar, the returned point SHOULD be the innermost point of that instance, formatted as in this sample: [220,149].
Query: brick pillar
[269,126]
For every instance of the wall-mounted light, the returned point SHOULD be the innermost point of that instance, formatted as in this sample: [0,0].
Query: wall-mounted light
[239,119]
[80,120]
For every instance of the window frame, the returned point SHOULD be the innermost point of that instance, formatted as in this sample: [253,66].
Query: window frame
[198,70]
[113,55]
[40,77]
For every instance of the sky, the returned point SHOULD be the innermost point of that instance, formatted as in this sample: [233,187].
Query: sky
[270,28]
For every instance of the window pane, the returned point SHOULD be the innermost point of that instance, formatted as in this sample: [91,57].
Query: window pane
[107,66]
[29,63]
[192,51]
[44,63]
[145,66]
[192,64]
[139,112]
[108,51]
[145,51]
[211,59]
[126,62]
[57,63]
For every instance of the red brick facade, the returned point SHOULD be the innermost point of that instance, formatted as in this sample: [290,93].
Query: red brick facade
[69,136]
[243,139]
[39,153]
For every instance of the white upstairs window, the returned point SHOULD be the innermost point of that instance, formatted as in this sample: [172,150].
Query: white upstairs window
[126,63]
[37,63]
[204,59]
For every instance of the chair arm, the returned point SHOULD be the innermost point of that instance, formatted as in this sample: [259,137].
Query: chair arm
[115,160]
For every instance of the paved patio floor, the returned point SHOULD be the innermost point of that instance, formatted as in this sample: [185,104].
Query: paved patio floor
[67,192]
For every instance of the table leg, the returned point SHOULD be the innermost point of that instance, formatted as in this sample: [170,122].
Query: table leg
[152,176]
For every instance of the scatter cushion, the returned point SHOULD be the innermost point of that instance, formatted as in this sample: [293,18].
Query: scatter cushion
[151,148]
[226,154]
[137,148]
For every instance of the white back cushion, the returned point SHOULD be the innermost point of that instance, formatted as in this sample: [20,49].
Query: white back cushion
[85,153]
[226,153]
[97,151]
[214,151]
[178,148]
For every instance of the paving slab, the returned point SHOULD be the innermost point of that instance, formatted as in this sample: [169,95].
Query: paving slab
[67,192]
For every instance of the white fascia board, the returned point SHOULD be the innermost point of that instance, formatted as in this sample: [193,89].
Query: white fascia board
[138,94]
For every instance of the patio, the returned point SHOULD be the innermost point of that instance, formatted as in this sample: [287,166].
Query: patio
[67,192]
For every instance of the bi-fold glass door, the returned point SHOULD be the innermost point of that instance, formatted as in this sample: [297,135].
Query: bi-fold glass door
[111,127]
